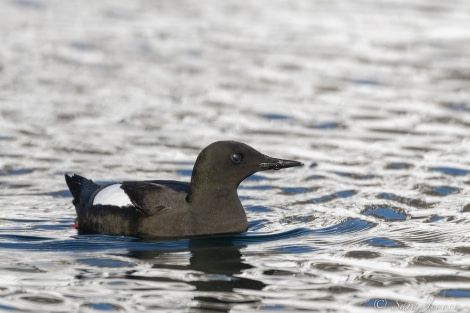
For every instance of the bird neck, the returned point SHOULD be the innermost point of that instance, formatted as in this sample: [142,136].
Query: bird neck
[217,210]
[208,185]
[212,195]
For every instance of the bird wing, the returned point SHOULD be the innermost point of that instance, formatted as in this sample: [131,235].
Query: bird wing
[151,197]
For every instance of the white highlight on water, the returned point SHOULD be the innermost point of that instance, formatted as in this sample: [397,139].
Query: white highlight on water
[112,195]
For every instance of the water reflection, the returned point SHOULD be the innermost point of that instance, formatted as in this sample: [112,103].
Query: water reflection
[213,270]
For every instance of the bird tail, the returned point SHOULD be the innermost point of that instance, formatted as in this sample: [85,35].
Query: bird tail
[81,188]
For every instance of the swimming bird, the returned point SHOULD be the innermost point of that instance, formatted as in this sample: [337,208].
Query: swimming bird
[207,205]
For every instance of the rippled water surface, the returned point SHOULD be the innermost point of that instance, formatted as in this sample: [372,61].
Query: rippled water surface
[373,96]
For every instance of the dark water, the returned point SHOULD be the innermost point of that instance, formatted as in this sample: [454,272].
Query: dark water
[373,96]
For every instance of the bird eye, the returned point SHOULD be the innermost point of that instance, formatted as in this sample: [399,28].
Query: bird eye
[236,158]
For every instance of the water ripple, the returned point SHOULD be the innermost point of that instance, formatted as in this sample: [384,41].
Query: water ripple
[418,203]
[378,217]
[451,171]
[336,195]
[387,213]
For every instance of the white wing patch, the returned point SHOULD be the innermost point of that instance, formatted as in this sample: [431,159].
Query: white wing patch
[112,195]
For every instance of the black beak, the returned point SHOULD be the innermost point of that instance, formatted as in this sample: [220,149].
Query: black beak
[277,164]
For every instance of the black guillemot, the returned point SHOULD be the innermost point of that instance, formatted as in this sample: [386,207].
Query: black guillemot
[208,205]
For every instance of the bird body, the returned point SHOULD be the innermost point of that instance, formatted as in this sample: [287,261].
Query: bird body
[208,205]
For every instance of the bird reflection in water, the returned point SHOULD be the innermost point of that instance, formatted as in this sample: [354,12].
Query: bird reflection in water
[218,259]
